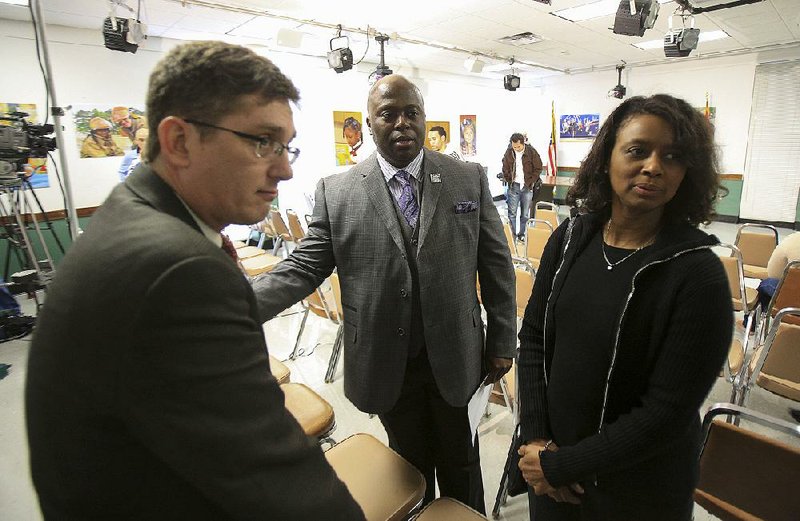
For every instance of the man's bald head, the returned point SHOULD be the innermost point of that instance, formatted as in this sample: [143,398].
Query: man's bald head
[397,119]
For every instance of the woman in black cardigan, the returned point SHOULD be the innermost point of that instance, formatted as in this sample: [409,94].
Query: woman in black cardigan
[628,324]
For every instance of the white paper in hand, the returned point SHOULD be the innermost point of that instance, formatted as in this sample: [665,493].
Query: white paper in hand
[477,407]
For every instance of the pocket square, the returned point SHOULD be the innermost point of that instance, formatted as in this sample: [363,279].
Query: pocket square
[466,206]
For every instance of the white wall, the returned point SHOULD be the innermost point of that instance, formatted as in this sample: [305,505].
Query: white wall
[86,72]
[728,80]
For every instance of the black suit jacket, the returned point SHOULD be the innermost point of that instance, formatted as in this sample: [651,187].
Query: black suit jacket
[149,394]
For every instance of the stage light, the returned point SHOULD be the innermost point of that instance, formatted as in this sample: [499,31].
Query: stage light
[382,69]
[511,82]
[123,34]
[341,58]
[619,90]
[678,43]
[634,17]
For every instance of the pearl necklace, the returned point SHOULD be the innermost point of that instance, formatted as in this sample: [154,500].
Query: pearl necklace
[628,256]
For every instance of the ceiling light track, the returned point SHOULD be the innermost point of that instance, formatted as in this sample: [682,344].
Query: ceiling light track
[357,30]
[698,57]
[699,10]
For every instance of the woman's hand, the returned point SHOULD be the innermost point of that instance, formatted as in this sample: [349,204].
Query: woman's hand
[531,466]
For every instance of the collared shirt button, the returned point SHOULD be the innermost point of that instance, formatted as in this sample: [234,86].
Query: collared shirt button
[403,293]
[414,241]
[403,255]
[400,331]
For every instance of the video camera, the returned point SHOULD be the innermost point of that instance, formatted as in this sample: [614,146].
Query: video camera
[20,141]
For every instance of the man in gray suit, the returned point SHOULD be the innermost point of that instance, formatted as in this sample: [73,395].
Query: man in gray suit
[408,230]
[149,393]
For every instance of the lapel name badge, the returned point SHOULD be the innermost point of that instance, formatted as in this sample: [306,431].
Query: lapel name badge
[436,178]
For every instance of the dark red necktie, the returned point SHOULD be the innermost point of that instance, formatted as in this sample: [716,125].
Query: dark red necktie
[227,247]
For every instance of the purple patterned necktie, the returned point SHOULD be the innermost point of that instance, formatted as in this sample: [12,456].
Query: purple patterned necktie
[407,200]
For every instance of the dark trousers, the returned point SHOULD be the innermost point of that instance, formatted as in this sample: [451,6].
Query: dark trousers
[435,437]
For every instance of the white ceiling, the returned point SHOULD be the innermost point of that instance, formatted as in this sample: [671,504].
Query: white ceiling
[471,25]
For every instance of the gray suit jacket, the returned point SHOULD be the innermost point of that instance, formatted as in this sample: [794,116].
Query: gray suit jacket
[355,229]
[149,393]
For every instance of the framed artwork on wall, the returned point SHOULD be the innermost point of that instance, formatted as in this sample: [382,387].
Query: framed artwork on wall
[579,126]
[347,136]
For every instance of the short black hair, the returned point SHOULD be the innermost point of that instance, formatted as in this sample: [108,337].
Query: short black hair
[440,129]
[516,137]
[692,135]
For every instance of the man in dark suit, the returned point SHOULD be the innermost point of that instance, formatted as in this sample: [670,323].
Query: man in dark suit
[408,230]
[149,393]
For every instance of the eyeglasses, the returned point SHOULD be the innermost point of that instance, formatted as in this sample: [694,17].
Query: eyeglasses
[263,143]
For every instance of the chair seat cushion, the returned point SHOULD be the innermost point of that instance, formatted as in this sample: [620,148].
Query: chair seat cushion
[385,485]
[312,412]
[755,272]
[779,386]
[260,263]
[245,252]
[448,509]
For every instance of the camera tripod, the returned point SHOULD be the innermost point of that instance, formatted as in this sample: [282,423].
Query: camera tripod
[23,231]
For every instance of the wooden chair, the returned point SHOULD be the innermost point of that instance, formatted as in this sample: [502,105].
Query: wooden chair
[505,390]
[756,247]
[245,252]
[787,294]
[386,487]
[337,344]
[448,509]
[254,266]
[319,302]
[537,233]
[312,411]
[510,239]
[744,300]
[746,475]
[265,230]
[295,228]
[282,234]
[775,365]
[548,212]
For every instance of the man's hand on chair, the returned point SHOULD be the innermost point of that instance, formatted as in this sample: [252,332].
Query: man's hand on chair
[495,368]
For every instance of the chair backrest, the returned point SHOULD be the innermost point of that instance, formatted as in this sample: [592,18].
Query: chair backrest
[512,245]
[734,269]
[321,304]
[548,212]
[524,276]
[296,229]
[746,475]
[279,225]
[536,238]
[776,365]
[787,293]
[385,486]
[756,246]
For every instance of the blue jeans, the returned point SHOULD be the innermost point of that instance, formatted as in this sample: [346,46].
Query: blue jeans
[518,197]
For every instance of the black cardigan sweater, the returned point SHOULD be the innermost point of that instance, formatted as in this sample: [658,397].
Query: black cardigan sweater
[673,335]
